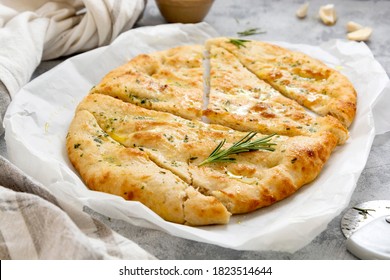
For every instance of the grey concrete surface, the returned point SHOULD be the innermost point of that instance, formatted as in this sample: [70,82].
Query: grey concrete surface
[278,19]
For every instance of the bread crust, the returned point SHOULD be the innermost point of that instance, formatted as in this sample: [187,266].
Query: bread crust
[240,100]
[167,81]
[139,133]
[107,166]
[298,76]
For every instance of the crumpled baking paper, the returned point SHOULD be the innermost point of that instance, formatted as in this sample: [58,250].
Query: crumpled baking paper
[37,122]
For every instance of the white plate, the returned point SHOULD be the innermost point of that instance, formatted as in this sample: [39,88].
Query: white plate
[37,122]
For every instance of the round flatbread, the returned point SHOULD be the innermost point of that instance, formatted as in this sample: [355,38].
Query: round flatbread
[149,130]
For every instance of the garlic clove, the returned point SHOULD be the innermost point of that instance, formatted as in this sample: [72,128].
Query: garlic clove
[302,10]
[327,14]
[353,26]
[363,34]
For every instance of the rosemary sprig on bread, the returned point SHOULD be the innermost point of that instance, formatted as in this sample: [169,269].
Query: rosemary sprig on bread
[243,145]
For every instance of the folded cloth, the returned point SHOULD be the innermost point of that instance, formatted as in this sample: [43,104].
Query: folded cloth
[36,225]
[33,223]
[5,99]
[35,30]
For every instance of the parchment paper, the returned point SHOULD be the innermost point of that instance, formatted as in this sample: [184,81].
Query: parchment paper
[37,122]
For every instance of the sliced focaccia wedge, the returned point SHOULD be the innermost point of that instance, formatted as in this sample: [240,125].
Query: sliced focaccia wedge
[107,166]
[246,182]
[238,99]
[300,77]
[167,81]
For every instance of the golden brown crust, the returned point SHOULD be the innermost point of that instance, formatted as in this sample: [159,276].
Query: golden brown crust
[108,166]
[168,81]
[300,77]
[139,133]
[299,161]
[238,99]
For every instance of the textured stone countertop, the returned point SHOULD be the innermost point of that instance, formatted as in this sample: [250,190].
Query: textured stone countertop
[278,19]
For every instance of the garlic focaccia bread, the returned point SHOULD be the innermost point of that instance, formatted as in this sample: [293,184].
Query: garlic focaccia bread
[167,81]
[238,99]
[177,146]
[300,77]
[141,132]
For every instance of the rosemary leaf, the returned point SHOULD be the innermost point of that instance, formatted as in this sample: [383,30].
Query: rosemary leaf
[363,212]
[251,31]
[238,42]
[243,145]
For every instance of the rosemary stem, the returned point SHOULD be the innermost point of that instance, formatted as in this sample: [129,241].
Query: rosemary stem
[243,145]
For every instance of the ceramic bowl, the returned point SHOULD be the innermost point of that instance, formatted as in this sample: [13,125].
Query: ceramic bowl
[184,11]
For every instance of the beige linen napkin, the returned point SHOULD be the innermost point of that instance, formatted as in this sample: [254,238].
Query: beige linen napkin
[36,225]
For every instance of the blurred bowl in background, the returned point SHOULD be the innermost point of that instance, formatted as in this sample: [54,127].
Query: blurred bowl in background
[184,11]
